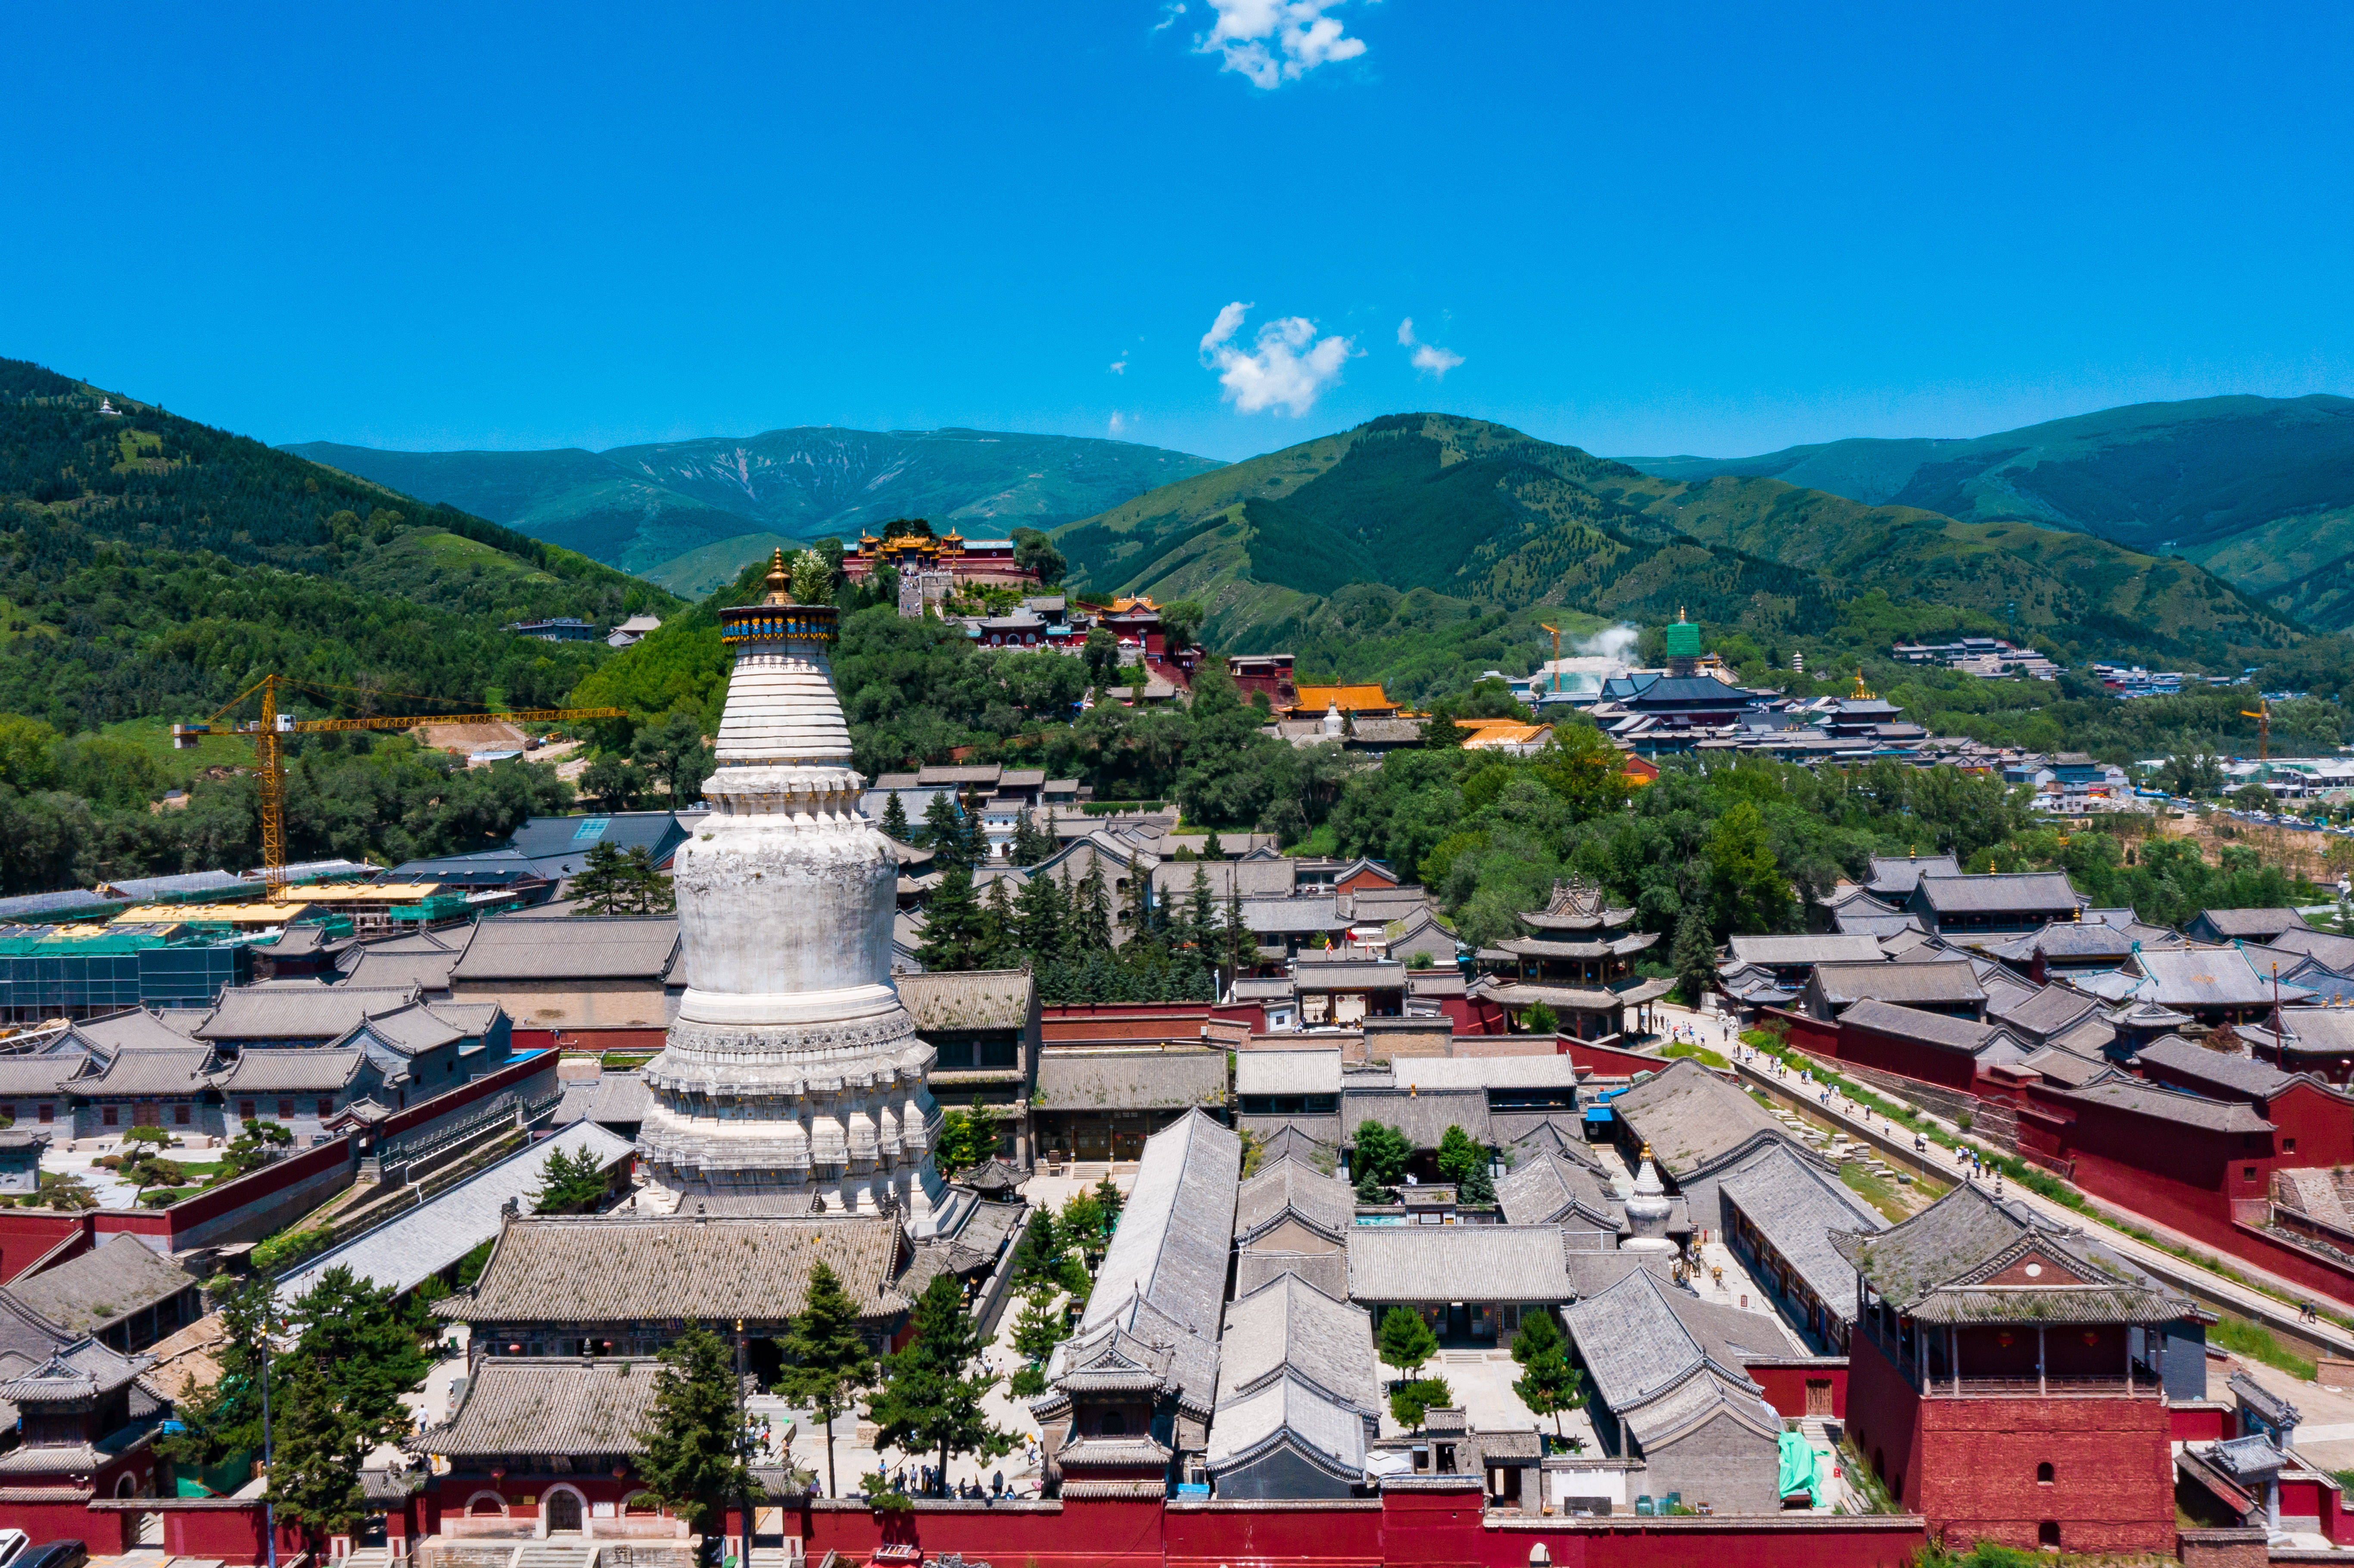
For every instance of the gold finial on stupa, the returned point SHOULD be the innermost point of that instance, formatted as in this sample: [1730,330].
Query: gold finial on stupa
[776,580]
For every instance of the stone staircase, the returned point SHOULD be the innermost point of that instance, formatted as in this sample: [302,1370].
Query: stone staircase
[554,1554]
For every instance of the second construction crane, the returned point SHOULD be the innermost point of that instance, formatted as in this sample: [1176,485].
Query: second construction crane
[269,737]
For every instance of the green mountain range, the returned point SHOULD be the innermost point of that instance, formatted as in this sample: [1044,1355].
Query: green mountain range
[154,566]
[1432,526]
[2258,490]
[689,514]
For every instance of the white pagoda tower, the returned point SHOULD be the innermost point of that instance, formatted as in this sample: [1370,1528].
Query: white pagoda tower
[792,1078]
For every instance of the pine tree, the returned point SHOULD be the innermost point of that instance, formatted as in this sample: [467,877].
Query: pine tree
[1212,849]
[894,818]
[1694,958]
[952,927]
[1404,1340]
[1000,929]
[974,840]
[693,1447]
[224,1417]
[1039,1327]
[571,1184]
[1109,1200]
[1240,948]
[1143,932]
[1201,916]
[942,830]
[1548,1384]
[602,885]
[827,1361]
[1038,918]
[1031,843]
[931,1402]
[1456,1153]
[1091,911]
[317,1449]
[1039,1254]
[1415,1399]
[1378,1157]
[368,1344]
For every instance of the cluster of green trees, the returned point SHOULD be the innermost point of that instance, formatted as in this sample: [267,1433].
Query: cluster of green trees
[1055,1264]
[75,810]
[332,1368]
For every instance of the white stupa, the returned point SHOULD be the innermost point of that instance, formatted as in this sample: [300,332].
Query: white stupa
[1648,1211]
[792,1077]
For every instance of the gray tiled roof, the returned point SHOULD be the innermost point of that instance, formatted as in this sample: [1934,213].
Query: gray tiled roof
[1292,1187]
[968,998]
[2064,1066]
[1327,1271]
[1455,1263]
[1782,951]
[2206,976]
[570,1406]
[2227,1071]
[152,1072]
[135,1029]
[1545,1187]
[2324,1030]
[1665,1362]
[1797,1204]
[43,1075]
[92,1293]
[1300,915]
[1999,893]
[1547,1070]
[620,1098]
[1933,1264]
[1936,1029]
[1897,874]
[1131,1080]
[1170,1250]
[1365,974]
[1945,983]
[1289,1323]
[611,1268]
[1692,1118]
[376,970]
[1294,1360]
[2129,1094]
[2039,1014]
[2252,924]
[2334,951]
[272,1070]
[1312,1071]
[315,1014]
[599,948]
[1422,1117]
[405,1251]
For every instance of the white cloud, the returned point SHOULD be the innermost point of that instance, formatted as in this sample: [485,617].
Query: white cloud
[1119,366]
[1274,41]
[1169,15]
[1289,367]
[1428,356]
[1119,423]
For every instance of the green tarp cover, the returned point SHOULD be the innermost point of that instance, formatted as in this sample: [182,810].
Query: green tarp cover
[1797,1466]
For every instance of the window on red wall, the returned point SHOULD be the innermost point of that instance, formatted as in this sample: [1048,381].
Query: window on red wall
[2248,1172]
[2288,1146]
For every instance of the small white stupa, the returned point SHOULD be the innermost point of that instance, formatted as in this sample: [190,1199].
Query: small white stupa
[792,1078]
[1334,724]
[1648,1211]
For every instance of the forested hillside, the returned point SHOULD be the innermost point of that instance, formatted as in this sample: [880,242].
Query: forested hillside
[150,565]
[689,514]
[1459,530]
[2258,490]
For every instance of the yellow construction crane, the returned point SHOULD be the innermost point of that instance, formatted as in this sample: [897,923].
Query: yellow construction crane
[2263,715]
[270,745]
[1556,654]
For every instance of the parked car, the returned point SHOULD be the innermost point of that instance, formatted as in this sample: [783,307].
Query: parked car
[13,1545]
[55,1554]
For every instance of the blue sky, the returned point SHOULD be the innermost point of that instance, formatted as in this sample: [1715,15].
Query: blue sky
[1637,228]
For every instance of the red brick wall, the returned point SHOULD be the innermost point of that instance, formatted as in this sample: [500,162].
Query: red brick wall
[1969,1465]
[1786,1386]
[27,1237]
[1607,1060]
[1870,1048]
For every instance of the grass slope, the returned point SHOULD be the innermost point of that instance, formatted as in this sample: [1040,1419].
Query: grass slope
[703,571]
[1482,521]
[2258,490]
[651,509]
